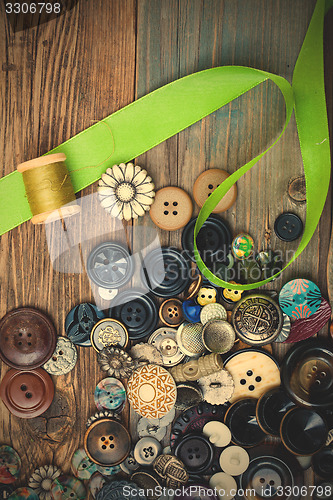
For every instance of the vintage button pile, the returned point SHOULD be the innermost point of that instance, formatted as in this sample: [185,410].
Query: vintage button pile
[188,358]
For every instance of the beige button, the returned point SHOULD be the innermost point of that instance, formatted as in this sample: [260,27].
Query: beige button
[226,486]
[234,460]
[207,182]
[217,433]
[172,208]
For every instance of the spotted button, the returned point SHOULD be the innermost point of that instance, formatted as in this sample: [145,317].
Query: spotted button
[172,208]
[68,488]
[146,450]
[82,466]
[206,184]
[196,452]
[107,442]
[171,313]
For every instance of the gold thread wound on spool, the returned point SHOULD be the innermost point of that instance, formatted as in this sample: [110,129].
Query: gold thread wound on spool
[49,189]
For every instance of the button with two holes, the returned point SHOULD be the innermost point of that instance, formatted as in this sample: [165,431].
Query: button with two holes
[288,227]
[172,208]
[110,394]
[171,313]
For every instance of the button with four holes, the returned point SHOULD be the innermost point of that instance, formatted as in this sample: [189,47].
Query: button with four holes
[196,452]
[146,450]
[207,182]
[288,227]
[107,442]
[172,208]
[170,312]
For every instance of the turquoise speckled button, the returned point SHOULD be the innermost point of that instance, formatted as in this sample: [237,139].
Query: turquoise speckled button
[110,394]
[82,466]
[22,493]
[67,487]
[10,465]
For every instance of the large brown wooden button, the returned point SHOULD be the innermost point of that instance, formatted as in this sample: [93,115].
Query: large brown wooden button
[107,442]
[27,338]
[27,394]
[172,208]
[207,182]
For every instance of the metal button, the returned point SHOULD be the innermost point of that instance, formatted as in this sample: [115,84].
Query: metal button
[10,464]
[188,395]
[110,265]
[218,336]
[110,394]
[171,470]
[217,388]
[144,353]
[108,332]
[129,465]
[64,358]
[146,428]
[189,339]
[27,338]
[172,208]
[114,490]
[211,312]
[107,442]
[288,227]
[171,313]
[285,330]
[146,450]
[164,339]
[165,420]
[80,321]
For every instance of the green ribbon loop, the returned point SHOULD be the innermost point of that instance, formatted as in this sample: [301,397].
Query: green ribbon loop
[155,117]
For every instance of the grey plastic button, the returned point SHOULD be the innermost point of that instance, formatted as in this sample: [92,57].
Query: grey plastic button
[146,450]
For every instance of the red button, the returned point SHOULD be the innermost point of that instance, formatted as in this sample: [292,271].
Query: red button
[27,394]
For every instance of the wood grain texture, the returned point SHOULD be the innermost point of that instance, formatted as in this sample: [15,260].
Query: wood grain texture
[57,79]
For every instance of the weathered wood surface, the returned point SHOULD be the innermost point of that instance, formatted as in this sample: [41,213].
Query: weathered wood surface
[57,79]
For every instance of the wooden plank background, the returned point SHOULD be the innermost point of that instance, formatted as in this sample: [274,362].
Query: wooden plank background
[58,78]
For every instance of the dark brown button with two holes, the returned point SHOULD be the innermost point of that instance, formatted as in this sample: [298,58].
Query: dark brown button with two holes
[196,452]
[172,208]
[27,393]
[171,313]
[288,227]
[27,338]
[207,182]
[107,442]
[303,431]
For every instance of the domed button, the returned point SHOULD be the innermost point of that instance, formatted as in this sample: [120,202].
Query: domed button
[171,470]
[191,311]
[234,460]
[27,338]
[146,450]
[27,394]
[288,227]
[189,339]
[285,330]
[225,483]
[108,332]
[80,321]
[188,395]
[107,442]
[254,372]
[171,313]
[300,298]
[213,240]
[23,493]
[110,265]
[207,182]
[242,422]
[218,336]
[110,394]
[63,359]
[217,433]
[303,431]
[172,208]
[196,452]
[165,272]
[242,246]
[67,488]
[10,465]
[137,311]
[271,408]
[212,312]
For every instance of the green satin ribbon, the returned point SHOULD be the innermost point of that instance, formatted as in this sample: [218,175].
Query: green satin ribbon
[163,113]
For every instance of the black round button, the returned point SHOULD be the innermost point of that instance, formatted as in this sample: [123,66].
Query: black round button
[271,408]
[288,227]
[80,321]
[110,265]
[242,422]
[323,491]
[137,311]
[213,240]
[307,373]
[196,452]
[322,463]
[303,431]
[166,272]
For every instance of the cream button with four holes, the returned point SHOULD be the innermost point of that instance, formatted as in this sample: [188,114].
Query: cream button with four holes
[172,208]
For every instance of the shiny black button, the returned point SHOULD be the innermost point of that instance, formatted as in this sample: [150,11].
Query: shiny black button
[288,227]
[137,311]
[242,422]
[303,431]
[166,272]
[80,321]
[271,408]
[110,265]
[213,240]
[196,452]
[322,463]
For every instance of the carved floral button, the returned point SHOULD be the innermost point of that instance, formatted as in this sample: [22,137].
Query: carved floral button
[107,333]
[172,208]
[151,391]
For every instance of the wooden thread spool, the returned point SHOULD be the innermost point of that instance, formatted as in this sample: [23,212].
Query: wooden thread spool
[48,188]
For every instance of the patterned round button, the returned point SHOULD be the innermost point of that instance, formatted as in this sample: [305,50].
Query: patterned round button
[189,339]
[172,208]
[254,372]
[151,391]
[242,246]
[300,298]
[27,338]
[23,493]
[207,182]
[196,452]
[67,488]
[288,227]
[107,442]
[110,394]
[165,272]
[82,466]
[218,336]
[63,359]
[211,312]
[110,265]
[285,330]
[304,328]
[80,321]
[10,465]
[146,450]
[27,394]
[171,313]
[108,332]
[164,339]
[257,319]
[137,311]
[242,422]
